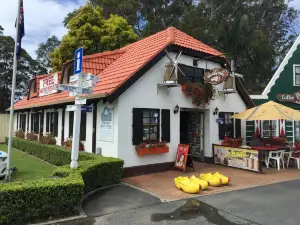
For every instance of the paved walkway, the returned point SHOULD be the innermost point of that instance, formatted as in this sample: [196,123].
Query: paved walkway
[115,199]
[153,183]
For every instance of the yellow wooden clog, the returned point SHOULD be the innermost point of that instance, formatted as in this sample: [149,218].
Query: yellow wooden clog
[185,184]
[203,184]
[225,180]
[212,180]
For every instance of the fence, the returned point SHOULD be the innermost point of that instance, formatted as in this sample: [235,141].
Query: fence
[4,126]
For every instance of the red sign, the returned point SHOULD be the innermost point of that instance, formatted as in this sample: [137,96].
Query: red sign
[48,85]
[216,76]
[181,157]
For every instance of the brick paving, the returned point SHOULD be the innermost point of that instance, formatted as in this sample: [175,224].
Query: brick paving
[162,184]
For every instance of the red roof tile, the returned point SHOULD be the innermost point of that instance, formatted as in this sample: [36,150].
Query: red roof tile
[116,67]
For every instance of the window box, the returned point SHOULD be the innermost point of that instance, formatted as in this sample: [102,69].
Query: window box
[152,151]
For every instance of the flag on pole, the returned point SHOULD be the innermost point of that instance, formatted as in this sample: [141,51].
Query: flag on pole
[21,30]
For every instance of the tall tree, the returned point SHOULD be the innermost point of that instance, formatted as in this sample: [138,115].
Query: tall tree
[44,50]
[256,34]
[92,31]
[27,68]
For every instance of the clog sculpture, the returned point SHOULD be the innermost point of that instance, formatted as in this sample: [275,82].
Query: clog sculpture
[185,184]
[225,180]
[211,179]
[203,184]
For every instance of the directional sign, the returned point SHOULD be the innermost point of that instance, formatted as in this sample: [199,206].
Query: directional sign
[86,108]
[80,101]
[71,108]
[73,78]
[78,61]
[90,77]
[63,87]
[88,84]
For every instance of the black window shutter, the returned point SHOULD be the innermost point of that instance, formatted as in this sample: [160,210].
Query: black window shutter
[83,126]
[32,123]
[17,120]
[222,127]
[71,122]
[42,122]
[238,128]
[47,121]
[36,122]
[55,125]
[137,126]
[165,125]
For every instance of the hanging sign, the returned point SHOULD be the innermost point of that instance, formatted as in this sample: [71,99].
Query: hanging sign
[106,125]
[246,159]
[48,85]
[181,157]
[216,76]
[294,98]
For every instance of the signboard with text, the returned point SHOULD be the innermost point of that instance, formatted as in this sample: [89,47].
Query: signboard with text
[241,158]
[48,85]
[294,98]
[107,125]
[216,76]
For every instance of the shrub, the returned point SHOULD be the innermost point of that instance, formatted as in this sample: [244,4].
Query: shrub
[20,134]
[40,199]
[48,139]
[56,155]
[32,136]
[100,172]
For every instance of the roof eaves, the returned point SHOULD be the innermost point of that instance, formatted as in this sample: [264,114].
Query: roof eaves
[281,67]
[259,97]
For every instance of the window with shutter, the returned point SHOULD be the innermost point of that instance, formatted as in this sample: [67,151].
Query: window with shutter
[32,122]
[55,123]
[238,128]
[222,126]
[71,122]
[137,126]
[165,125]
[42,122]
[83,126]
[48,122]
[36,123]
[226,129]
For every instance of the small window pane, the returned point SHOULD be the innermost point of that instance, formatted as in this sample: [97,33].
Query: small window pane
[146,121]
[154,114]
[146,113]
[297,69]
[297,79]
[154,121]
[153,136]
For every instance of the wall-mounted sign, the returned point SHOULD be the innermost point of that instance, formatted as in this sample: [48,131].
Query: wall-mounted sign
[295,98]
[106,125]
[216,76]
[48,85]
[220,120]
[246,159]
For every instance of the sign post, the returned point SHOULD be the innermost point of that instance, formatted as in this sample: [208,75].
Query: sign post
[77,90]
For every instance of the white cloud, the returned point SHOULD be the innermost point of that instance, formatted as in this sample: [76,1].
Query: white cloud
[43,18]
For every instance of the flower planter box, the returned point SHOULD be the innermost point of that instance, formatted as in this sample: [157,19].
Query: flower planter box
[152,151]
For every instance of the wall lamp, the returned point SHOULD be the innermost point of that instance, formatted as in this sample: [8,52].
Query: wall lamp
[216,111]
[176,109]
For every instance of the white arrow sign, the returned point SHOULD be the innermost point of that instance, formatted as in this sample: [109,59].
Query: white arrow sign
[80,101]
[88,84]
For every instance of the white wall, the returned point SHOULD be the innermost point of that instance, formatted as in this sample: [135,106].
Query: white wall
[88,144]
[143,94]
[109,148]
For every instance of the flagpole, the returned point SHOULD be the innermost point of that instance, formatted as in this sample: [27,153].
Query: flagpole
[12,100]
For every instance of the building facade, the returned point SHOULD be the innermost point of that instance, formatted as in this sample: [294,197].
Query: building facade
[132,103]
[284,89]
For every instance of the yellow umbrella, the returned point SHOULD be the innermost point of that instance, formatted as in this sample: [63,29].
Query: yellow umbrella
[269,111]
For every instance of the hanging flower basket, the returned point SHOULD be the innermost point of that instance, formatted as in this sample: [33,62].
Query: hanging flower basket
[201,94]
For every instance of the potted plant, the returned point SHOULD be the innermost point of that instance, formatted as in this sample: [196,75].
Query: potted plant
[152,148]
[68,144]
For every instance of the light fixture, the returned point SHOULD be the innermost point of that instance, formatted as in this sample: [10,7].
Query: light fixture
[216,111]
[176,109]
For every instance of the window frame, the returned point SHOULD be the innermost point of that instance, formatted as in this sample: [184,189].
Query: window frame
[276,130]
[149,125]
[294,74]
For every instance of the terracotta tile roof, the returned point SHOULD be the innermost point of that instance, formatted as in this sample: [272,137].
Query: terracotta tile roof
[116,67]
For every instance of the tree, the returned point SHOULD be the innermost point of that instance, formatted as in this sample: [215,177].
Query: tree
[256,34]
[92,31]
[44,50]
[27,68]
[1,30]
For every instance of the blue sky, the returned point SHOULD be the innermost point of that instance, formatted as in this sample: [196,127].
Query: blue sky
[43,18]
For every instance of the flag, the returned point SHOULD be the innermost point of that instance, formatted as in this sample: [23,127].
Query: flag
[21,30]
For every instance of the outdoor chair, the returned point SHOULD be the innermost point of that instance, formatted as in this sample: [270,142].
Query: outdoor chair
[277,156]
[295,155]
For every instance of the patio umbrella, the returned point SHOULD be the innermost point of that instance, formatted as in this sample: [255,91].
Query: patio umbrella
[269,111]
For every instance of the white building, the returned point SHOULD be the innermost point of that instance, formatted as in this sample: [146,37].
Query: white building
[130,92]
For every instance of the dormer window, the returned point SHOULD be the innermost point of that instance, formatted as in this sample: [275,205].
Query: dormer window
[33,89]
[69,71]
[296,75]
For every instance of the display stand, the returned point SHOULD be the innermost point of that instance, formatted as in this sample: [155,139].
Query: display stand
[183,158]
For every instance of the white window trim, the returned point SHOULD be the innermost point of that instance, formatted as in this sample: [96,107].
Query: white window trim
[294,73]
[276,131]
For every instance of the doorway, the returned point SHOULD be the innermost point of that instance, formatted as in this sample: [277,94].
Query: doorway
[192,132]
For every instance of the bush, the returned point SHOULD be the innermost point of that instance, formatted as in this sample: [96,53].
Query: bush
[100,172]
[48,139]
[40,199]
[53,154]
[32,136]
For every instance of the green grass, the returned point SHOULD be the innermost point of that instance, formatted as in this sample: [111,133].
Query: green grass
[29,168]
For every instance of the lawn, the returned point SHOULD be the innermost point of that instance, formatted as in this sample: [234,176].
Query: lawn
[29,167]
